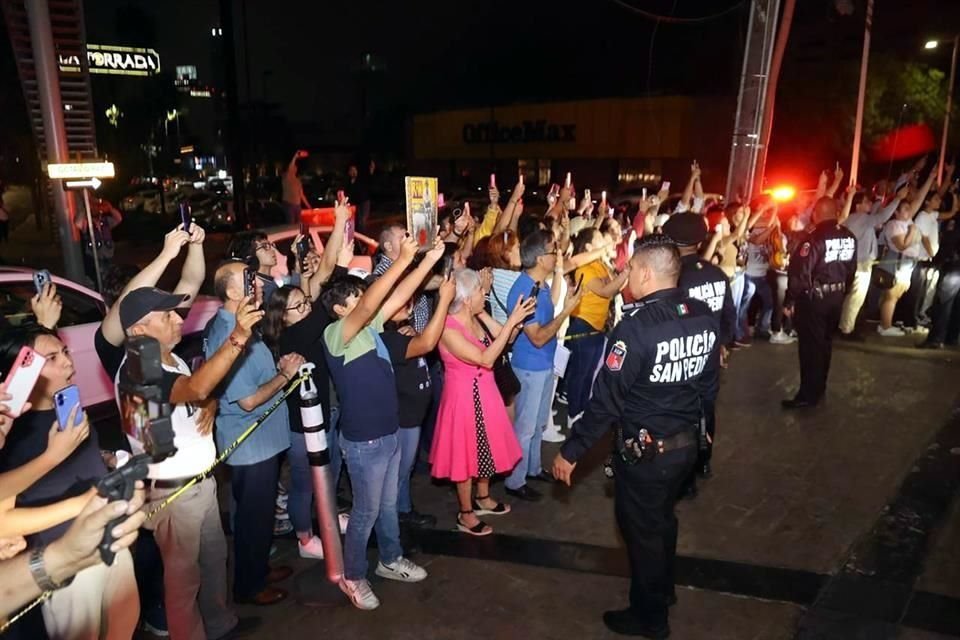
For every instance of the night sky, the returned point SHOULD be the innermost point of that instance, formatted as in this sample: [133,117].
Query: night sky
[305,56]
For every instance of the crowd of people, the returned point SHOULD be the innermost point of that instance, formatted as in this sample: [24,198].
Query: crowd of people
[455,353]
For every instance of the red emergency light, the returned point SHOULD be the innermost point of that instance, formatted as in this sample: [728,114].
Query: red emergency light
[783,193]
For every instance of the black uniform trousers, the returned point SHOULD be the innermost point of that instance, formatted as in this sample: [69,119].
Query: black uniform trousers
[816,321]
[644,498]
[945,304]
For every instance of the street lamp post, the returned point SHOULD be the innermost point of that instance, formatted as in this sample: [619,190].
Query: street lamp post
[946,116]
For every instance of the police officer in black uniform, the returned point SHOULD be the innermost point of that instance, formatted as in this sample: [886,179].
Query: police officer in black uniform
[660,367]
[821,271]
[708,283]
[945,306]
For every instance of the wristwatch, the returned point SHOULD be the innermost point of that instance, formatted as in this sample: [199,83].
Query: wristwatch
[39,571]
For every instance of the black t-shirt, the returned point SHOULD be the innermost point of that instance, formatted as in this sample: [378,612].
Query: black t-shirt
[306,338]
[72,477]
[413,379]
[110,355]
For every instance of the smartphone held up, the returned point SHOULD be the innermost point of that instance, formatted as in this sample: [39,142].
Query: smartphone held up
[22,378]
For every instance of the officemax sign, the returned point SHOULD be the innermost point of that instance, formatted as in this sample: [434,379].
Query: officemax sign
[530,131]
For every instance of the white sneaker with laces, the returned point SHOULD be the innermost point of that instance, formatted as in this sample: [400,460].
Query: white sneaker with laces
[312,550]
[552,434]
[892,332]
[360,594]
[781,338]
[402,570]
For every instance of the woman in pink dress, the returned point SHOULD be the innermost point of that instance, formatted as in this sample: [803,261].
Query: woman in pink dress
[474,439]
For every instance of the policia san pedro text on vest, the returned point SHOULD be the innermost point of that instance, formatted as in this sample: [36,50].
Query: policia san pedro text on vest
[821,271]
[660,368]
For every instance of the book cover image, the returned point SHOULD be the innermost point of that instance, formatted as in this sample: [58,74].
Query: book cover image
[422,209]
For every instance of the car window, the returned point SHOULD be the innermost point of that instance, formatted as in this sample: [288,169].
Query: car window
[78,308]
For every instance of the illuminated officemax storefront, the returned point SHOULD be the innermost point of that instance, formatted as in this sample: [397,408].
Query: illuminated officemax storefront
[608,142]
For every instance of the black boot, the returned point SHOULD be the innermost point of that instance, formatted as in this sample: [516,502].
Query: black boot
[626,623]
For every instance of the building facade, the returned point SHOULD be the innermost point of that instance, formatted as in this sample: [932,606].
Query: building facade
[606,143]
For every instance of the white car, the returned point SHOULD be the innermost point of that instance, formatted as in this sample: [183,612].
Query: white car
[282,237]
[83,311]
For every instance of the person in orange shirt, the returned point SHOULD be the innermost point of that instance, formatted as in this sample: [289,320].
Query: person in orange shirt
[585,335]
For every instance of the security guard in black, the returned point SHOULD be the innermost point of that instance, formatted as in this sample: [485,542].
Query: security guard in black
[822,269]
[658,370]
[700,279]
[708,283]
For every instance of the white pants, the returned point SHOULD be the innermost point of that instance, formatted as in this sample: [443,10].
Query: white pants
[855,297]
[101,603]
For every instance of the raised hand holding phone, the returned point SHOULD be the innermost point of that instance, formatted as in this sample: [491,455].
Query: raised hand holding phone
[66,403]
[22,378]
[248,315]
[62,441]
[522,310]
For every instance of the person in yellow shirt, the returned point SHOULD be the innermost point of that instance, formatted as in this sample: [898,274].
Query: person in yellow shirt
[585,336]
[497,221]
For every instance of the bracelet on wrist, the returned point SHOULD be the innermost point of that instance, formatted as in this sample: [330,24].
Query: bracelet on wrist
[38,571]
[237,344]
[284,374]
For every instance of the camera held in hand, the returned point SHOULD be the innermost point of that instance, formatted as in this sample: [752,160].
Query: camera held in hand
[145,417]
[144,413]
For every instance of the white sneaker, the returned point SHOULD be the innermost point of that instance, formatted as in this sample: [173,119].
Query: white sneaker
[312,550]
[781,338]
[402,570]
[552,434]
[344,520]
[892,332]
[360,594]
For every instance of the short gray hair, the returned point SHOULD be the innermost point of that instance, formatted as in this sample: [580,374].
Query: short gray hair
[467,281]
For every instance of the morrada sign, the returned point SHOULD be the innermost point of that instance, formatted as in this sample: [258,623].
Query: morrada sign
[113,60]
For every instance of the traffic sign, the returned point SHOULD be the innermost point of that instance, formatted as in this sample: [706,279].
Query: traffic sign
[77,170]
[92,183]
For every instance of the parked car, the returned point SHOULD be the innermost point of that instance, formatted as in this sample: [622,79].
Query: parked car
[83,311]
[135,198]
[210,211]
[364,246]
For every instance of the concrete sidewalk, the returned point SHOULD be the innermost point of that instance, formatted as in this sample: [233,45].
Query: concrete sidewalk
[792,494]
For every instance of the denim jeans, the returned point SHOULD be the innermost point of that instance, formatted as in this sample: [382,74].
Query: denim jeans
[737,285]
[374,466]
[585,353]
[300,504]
[409,442]
[756,285]
[533,410]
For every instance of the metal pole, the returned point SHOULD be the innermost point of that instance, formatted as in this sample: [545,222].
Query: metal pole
[93,239]
[234,149]
[861,96]
[946,116]
[54,132]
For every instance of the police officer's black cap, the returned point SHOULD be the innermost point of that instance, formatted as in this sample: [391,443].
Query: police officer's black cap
[686,228]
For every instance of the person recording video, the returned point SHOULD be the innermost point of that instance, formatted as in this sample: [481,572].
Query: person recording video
[254,384]
[188,531]
[100,597]
[27,575]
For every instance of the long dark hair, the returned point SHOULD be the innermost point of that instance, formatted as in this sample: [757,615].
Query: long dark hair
[272,324]
[243,246]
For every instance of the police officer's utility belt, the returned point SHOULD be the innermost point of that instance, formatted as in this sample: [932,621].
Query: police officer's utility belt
[644,447]
[821,290]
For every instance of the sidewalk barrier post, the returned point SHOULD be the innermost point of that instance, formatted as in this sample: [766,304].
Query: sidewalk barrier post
[318,453]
